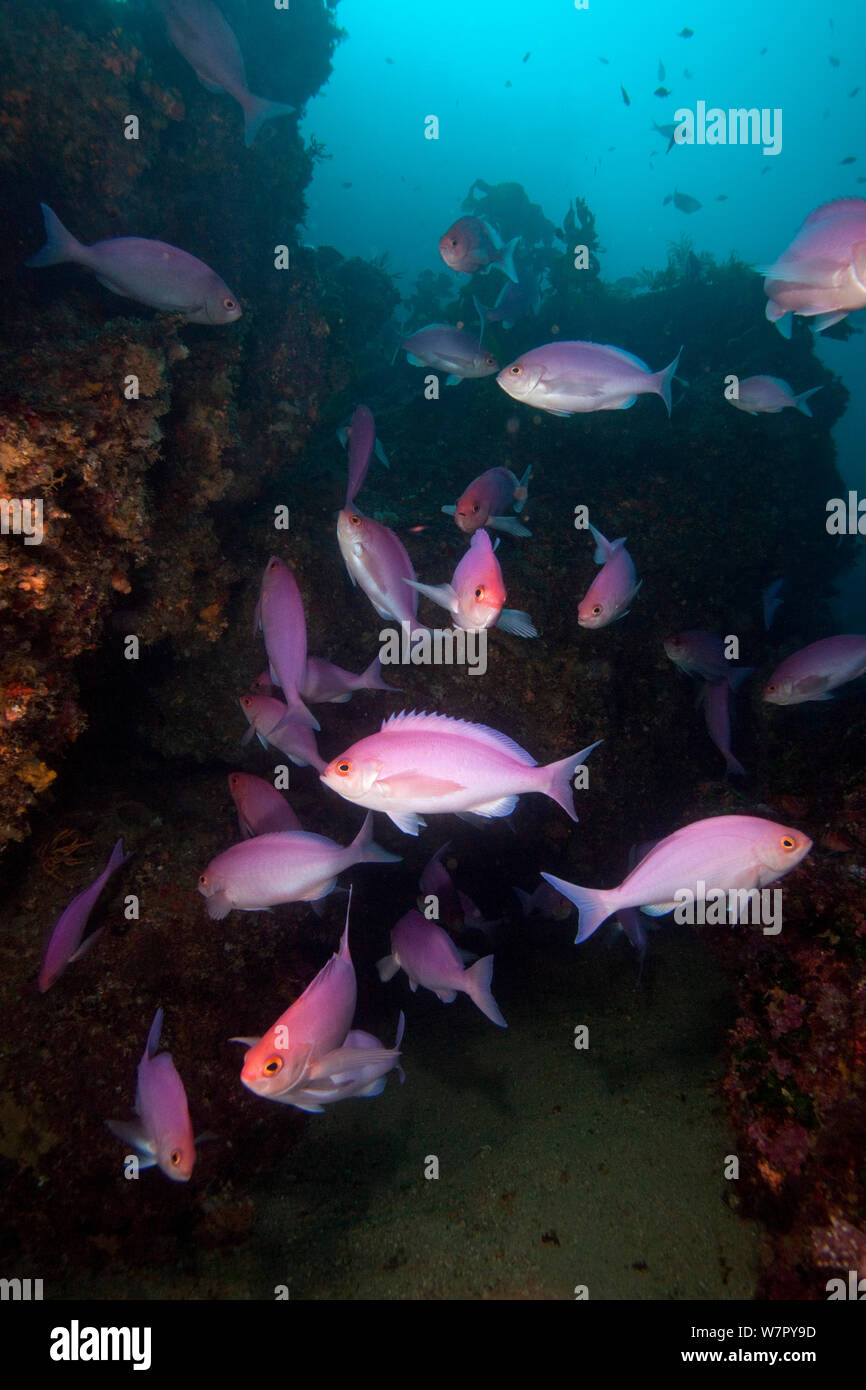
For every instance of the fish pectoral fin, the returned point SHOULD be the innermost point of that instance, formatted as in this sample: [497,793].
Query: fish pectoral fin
[407,821]
[811,685]
[509,524]
[343,1064]
[443,594]
[417,784]
[452,379]
[502,807]
[87,944]
[132,1132]
[446,995]
[563,414]
[657,909]
[219,906]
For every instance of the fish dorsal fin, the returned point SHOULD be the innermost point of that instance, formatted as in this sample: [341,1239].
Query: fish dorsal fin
[480,733]
[833,209]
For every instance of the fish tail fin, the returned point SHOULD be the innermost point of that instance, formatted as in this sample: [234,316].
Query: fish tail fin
[60,245]
[734,765]
[297,713]
[507,259]
[664,378]
[780,317]
[371,679]
[525,900]
[481,311]
[387,968]
[521,492]
[557,779]
[153,1035]
[257,110]
[738,676]
[800,401]
[366,848]
[478,979]
[592,905]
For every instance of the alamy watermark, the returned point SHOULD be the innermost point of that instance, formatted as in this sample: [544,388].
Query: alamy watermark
[22,516]
[737,126]
[437,646]
[715,907]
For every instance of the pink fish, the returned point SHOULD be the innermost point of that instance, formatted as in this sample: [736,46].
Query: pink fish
[65,942]
[545,902]
[724,852]
[475,596]
[700,653]
[767,395]
[812,672]
[162,1136]
[150,272]
[378,563]
[203,36]
[349,1072]
[310,1036]
[449,349]
[471,244]
[293,867]
[262,810]
[280,615]
[420,763]
[822,274]
[360,435]
[613,588]
[430,958]
[269,722]
[715,696]
[488,499]
[325,683]
[567,377]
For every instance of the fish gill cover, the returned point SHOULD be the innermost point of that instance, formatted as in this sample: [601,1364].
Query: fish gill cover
[172,458]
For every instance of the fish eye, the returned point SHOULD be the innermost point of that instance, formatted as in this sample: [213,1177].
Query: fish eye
[515,370]
[475,506]
[771,689]
[175,1157]
[202,880]
[788,842]
[491,361]
[596,610]
[479,592]
[454,241]
[344,768]
[246,701]
[355,520]
[229,304]
[273,1066]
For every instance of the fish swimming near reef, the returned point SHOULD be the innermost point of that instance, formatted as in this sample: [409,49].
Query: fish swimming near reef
[822,274]
[378,562]
[568,377]
[358,1068]
[430,959]
[611,592]
[767,395]
[700,653]
[150,272]
[684,202]
[308,1045]
[727,853]
[65,943]
[475,596]
[421,763]
[271,722]
[162,1135]
[280,615]
[359,436]
[203,36]
[449,349]
[488,499]
[262,810]
[715,697]
[292,867]
[814,671]
[471,244]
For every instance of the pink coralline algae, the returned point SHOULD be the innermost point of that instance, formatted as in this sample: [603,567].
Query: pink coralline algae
[839,1246]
